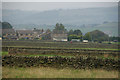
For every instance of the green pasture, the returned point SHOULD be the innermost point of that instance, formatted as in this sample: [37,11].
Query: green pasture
[52,55]
[100,57]
[4,53]
[61,45]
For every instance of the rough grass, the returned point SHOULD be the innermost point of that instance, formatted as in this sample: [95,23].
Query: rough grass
[47,72]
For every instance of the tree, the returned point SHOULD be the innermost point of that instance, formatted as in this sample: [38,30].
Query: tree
[59,28]
[0,25]
[77,32]
[112,38]
[6,25]
[48,31]
[87,36]
[70,32]
[96,35]
[74,36]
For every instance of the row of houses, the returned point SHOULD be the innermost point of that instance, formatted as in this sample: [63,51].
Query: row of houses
[21,34]
[11,34]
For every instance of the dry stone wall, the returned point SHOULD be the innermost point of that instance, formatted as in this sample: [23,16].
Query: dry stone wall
[60,62]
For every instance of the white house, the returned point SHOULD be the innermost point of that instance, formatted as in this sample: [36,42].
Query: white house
[0,38]
[85,41]
[75,40]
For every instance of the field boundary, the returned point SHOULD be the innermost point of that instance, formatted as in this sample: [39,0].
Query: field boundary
[60,62]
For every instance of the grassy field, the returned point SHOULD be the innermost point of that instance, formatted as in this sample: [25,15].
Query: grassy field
[52,55]
[4,53]
[68,45]
[47,72]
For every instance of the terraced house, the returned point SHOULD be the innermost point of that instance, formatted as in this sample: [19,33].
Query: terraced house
[9,34]
[24,34]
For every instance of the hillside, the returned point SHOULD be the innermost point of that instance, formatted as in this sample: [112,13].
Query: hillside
[67,16]
[110,28]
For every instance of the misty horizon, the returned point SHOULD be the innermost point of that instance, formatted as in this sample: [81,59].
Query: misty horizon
[47,6]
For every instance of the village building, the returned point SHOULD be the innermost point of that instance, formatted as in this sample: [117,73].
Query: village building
[46,35]
[24,34]
[9,34]
[59,37]
[75,40]
[37,33]
[30,34]
[85,41]
[0,38]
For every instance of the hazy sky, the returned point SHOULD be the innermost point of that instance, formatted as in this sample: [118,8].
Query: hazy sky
[60,0]
[41,6]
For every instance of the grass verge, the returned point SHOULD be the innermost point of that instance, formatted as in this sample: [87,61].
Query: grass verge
[47,72]
[4,53]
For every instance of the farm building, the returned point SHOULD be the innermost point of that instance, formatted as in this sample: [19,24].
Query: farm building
[75,40]
[85,41]
[59,37]
[37,33]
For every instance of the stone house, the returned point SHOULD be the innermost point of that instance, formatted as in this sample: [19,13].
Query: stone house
[9,34]
[59,37]
[25,34]
[29,34]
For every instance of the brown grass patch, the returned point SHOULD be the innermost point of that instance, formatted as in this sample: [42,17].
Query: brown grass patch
[47,72]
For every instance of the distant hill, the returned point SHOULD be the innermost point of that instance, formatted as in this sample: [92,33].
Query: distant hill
[110,28]
[68,16]
[87,19]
